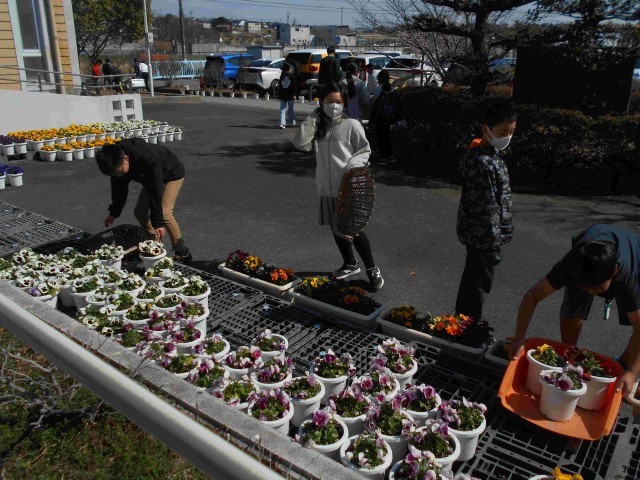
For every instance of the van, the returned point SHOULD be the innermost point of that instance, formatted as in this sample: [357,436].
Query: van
[223,69]
[306,64]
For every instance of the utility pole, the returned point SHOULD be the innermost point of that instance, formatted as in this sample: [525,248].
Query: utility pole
[149,39]
[341,12]
[184,51]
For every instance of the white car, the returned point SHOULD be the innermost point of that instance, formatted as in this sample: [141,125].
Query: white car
[262,74]
[410,70]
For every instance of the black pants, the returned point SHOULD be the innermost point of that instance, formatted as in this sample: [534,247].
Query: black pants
[475,285]
[383,132]
[363,247]
[145,76]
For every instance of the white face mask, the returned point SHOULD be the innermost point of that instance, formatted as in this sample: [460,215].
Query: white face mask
[333,110]
[499,142]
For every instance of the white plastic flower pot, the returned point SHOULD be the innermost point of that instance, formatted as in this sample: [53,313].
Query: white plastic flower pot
[542,477]
[52,301]
[90,152]
[186,347]
[164,310]
[559,405]
[305,408]
[421,417]
[168,136]
[78,154]
[3,182]
[153,139]
[81,138]
[154,280]
[398,444]
[268,386]
[220,355]
[61,141]
[331,385]
[47,156]
[199,322]
[20,148]
[184,374]
[80,299]
[596,395]
[633,400]
[8,149]
[66,156]
[49,141]
[354,424]
[110,135]
[468,440]
[169,290]
[243,407]
[100,136]
[281,425]
[36,144]
[96,304]
[149,262]
[377,473]
[137,324]
[404,378]
[202,299]
[266,356]
[65,297]
[447,461]
[177,136]
[332,450]
[15,179]
[90,137]
[533,373]
[119,313]
[115,263]
[161,138]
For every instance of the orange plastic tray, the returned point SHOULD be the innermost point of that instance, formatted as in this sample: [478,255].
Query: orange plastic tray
[585,424]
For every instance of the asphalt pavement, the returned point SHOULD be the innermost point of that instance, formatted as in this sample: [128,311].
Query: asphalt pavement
[245,189]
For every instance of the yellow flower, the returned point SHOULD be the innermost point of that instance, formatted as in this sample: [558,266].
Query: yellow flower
[544,348]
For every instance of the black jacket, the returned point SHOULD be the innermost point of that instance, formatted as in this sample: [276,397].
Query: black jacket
[152,166]
[287,89]
[330,71]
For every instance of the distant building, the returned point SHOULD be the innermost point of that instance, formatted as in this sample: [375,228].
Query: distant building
[265,51]
[253,27]
[294,34]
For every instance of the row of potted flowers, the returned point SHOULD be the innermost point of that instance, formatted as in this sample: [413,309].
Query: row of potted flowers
[13,145]
[13,173]
[35,139]
[577,378]
[253,270]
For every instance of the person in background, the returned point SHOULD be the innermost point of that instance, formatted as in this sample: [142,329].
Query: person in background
[357,96]
[96,72]
[484,215]
[106,71]
[372,79]
[604,261]
[340,144]
[144,74]
[330,71]
[386,111]
[161,174]
[136,67]
[287,91]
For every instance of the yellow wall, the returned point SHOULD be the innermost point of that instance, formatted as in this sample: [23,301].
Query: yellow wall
[7,50]
[63,40]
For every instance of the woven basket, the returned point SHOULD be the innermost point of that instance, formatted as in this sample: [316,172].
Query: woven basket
[354,206]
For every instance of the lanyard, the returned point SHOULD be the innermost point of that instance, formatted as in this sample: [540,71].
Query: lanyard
[607,308]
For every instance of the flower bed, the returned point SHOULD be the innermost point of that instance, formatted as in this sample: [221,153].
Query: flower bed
[449,331]
[338,299]
[252,270]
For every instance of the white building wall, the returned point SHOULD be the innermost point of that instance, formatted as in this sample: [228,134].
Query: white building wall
[35,110]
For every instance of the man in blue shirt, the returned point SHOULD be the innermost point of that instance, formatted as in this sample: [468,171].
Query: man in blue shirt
[604,262]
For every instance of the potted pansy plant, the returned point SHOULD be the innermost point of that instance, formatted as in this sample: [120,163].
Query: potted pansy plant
[417,465]
[379,383]
[130,337]
[214,346]
[398,358]
[273,408]
[139,314]
[46,291]
[273,373]
[351,406]
[541,358]
[181,365]
[133,284]
[242,361]
[157,350]
[151,252]
[324,433]
[101,320]
[110,256]
[237,393]
[305,393]
[270,344]
[81,288]
[173,283]
[162,323]
[333,372]
[466,421]
[195,313]
[196,291]
[148,294]
[209,375]
[421,401]
[393,425]
[167,303]
[99,297]
[600,377]
[186,337]
[561,392]
[121,302]
[161,270]
[436,438]
[368,454]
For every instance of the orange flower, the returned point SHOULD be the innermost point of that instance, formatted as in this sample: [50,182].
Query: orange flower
[274,275]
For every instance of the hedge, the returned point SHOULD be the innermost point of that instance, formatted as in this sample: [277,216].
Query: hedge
[552,149]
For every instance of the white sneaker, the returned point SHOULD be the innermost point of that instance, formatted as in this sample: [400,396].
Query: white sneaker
[281,126]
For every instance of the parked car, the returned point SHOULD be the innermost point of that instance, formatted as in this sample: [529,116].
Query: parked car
[378,61]
[306,64]
[410,67]
[223,69]
[262,74]
[386,53]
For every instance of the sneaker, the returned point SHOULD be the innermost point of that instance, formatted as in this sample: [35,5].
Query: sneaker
[185,257]
[281,126]
[346,271]
[375,278]
[293,124]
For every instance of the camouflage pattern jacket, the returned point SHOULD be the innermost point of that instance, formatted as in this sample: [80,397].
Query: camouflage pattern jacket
[484,214]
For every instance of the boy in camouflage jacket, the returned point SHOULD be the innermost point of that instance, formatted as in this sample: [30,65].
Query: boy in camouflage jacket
[484,215]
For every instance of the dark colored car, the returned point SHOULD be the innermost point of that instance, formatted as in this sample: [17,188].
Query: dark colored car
[224,69]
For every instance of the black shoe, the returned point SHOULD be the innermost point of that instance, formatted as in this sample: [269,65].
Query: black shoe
[375,278]
[346,271]
[184,257]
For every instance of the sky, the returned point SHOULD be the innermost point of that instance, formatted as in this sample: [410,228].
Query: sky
[307,12]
